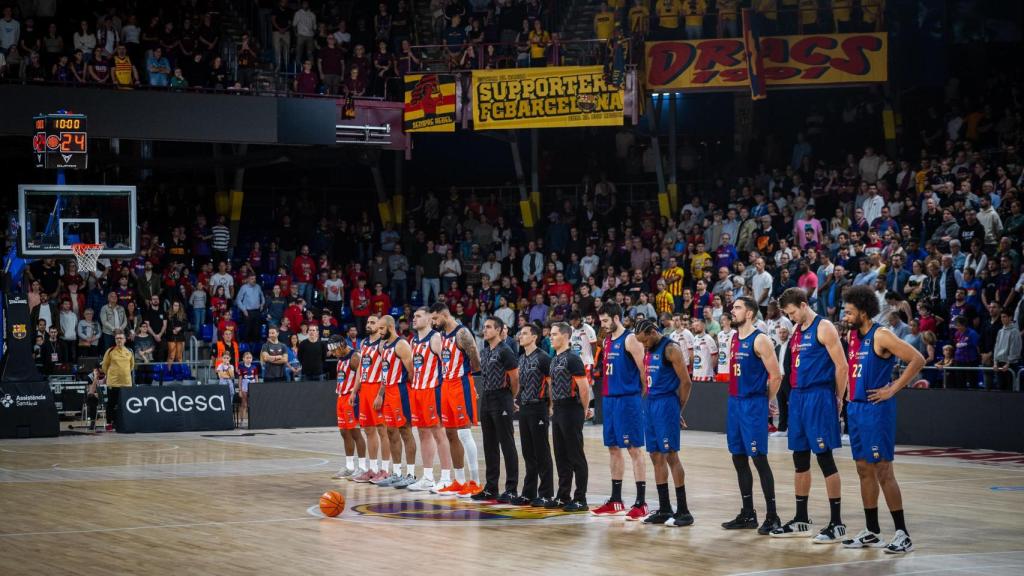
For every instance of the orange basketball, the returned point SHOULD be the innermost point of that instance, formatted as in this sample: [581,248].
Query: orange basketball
[332,503]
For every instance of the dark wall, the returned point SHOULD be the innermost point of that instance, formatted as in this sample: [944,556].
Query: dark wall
[292,404]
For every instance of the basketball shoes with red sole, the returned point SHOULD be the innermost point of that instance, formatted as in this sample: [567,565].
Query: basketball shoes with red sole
[470,489]
[610,508]
[365,477]
[637,513]
[452,489]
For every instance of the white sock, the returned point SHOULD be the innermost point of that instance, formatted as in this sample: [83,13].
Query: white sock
[428,473]
[350,462]
[410,470]
[446,475]
[373,465]
[385,465]
[469,445]
[397,469]
[460,475]
[362,463]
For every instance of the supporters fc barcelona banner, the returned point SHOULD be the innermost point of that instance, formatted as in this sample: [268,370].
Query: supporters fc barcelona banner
[556,97]
[791,61]
[429,103]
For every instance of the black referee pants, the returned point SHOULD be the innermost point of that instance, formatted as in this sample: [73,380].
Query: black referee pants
[533,436]
[567,432]
[496,411]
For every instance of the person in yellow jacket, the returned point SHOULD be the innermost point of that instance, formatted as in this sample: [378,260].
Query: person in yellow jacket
[871,15]
[728,18]
[639,19]
[604,23]
[693,13]
[668,12]
[119,366]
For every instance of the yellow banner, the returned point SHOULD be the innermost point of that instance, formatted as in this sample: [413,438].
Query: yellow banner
[807,60]
[556,97]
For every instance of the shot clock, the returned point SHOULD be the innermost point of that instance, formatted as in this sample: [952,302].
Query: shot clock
[61,141]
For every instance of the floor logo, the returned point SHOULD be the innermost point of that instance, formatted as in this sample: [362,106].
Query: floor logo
[452,510]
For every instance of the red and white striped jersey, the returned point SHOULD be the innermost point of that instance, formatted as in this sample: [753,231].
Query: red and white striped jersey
[346,375]
[426,364]
[725,351]
[455,363]
[370,370]
[704,347]
[392,370]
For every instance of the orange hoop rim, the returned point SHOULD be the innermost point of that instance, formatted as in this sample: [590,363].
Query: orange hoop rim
[82,248]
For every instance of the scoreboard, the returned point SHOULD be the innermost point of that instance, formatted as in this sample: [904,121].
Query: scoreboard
[60,141]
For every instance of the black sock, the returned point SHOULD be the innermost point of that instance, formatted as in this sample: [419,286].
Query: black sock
[641,493]
[616,490]
[748,503]
[871,516]
[801,509]
[897,518]
[681,506]
[664,503]
[835,508]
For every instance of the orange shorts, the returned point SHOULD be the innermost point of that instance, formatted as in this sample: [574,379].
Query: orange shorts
[396,406]
[426,407]
[367,415]
[348,415]
[458,402]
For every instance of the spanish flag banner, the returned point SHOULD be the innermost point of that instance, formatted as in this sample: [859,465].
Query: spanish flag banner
[429,103]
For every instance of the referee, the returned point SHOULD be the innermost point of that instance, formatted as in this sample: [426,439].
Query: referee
[534,417]
[500,376]
[570,394]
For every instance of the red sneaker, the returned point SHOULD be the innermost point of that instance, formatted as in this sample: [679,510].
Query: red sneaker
[637,512]
[610,508]
[454,488]
[772,428]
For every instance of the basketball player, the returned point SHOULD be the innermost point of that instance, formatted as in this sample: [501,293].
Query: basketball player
[724,337]
[459,359]
[570,396]
[425,402]
[818,380]
[682,335]
[348,409]
[500,386]
[871,414]
[754,380]
[623,410]
[371,419]
[535,417]
[582,342]
[668,390]
[705,350]
[396,366]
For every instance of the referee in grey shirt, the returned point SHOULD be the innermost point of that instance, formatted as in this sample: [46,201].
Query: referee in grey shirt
[500,385]
[534,417]
[570,395]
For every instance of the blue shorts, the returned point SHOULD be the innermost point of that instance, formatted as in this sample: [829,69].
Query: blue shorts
[661,415]
[747,425]
[872,430]
[813,420]
[623,421]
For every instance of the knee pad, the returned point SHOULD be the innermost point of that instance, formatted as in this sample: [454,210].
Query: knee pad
[802,460]
[827,463]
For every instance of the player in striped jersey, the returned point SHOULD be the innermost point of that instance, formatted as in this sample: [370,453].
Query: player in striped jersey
[705,351]
[724,373]
[348,407]
[396,369]
[371,420]
[682,335]
[459,360]
[582,342]
[425,400]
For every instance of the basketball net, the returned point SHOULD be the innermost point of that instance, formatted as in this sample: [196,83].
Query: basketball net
[87,255]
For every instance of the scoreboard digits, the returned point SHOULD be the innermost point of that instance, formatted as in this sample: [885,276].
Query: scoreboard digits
[61,141]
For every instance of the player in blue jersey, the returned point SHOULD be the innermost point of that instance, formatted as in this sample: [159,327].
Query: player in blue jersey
[623,412]
[818,378]
[873,352]
[754,378]
[668,390]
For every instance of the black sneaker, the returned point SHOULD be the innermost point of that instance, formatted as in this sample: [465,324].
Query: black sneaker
[555,503]
[680,518]
[772,522]
[743,521]
[482,496]
[519,501]
[506,497]
[540,502]
[658,517]
[575,506]
[92,426]
[794,529]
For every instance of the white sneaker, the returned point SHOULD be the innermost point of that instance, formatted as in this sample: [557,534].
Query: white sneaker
[831,534]
[794,529]
[422,485]
[357,474]
[343,473]
[864,539]
[900,544]
[779,434]
[846,439]
[438,486]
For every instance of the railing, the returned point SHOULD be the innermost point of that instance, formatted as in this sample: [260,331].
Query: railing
[440,57]
[968,377]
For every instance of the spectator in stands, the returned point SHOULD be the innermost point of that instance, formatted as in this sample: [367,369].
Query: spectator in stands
[305,81]
[177,325]
[144,344]
[540,41]
[281,25]
[155,318]
[99,69]
[247,58]
[304,22]
[384,68]
[1007,354]
[158,68]
[965,354]
[331,66]
[693,13]
[118,365]
[312,354]
[207,37]
[217,76]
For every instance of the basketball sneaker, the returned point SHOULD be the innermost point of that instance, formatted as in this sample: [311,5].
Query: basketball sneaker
[831,534]
[364,477]
[864,539]
[743,521]
[772,429]
[794,529]
[658,517]
[507,496]
[637,513]
[404,481]
[343,473]
[388,481]
[447,488]
[520,501]
[770,523]
[610,508]
[470,489]
[900,544]
[553,503]
[575,506]
[680,519]
[540,502]
[483,496]
[778,434]
[379,477]
[422,485]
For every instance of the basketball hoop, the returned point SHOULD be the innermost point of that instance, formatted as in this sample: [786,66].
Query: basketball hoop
[87,255]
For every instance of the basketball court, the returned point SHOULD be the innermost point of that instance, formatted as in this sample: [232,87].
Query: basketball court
[246,503]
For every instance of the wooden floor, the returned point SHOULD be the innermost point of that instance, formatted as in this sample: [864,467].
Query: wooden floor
[236,503]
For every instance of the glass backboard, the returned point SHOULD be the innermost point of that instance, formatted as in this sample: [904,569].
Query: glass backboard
[52,217]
